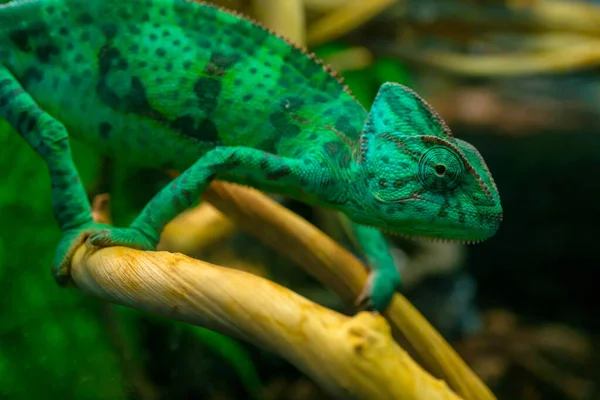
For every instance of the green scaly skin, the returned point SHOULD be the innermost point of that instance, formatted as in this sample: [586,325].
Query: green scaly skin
[176,84]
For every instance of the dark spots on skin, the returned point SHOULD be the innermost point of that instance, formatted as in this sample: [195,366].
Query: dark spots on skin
[344,125]
[78,58]
[332,148]
[45,52]
[280,173]
[85,36]
[443,213]
[160,52]
[75,80]
[461,217]
[134,30]
[207,90]
[63,31]
[85,18]
[32,74]
[50,10]
[176,42]
[247,97]
[264,164]
[169,67]
[320,98]
[345,159]
[109,30]
[283,125]
[238,82]
[481,218]
[208,131]
[395,209]
[237,41]
[136,100]
[312,136]
[187,65]
[26,121]
[383,183]
[253,70]
[385,159]
[162,12]
[153,37]
[104,128]
[219,64]
[231,163]
[326,183]
[125,15]
[204,43]
[22,38]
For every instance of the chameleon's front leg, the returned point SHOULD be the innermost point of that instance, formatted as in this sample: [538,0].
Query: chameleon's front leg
[49,139]
[384,277]
[183,191]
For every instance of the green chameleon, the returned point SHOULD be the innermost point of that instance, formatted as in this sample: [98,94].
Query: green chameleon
[184,85]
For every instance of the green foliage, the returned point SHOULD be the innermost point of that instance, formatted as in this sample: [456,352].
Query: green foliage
[52,343]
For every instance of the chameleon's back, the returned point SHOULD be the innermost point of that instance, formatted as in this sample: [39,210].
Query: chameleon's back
[141,76]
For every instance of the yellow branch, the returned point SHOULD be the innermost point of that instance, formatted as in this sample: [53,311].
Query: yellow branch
[583,54]
[349,357]
[342,20]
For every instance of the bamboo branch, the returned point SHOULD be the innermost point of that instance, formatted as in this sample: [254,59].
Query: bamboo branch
[344,19]
[349,357]
[584,54]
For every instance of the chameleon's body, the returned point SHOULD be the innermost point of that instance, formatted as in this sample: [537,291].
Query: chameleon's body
[170,83]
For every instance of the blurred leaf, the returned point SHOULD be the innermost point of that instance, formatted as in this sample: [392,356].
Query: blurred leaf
[51,342]
[235,355]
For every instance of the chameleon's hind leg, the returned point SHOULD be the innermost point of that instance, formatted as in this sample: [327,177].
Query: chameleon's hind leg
[49,139]
[184,190]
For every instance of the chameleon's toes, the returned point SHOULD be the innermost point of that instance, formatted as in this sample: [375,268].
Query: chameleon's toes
[378,290]
[121,237]
[69,242]
[364,302]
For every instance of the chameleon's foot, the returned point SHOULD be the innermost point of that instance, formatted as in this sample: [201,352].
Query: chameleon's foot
[69,242]
[378,290]
[99,235]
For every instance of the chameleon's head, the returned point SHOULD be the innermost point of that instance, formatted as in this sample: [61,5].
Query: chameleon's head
[419,179]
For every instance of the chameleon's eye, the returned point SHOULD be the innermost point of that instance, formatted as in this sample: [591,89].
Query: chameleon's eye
[440,169]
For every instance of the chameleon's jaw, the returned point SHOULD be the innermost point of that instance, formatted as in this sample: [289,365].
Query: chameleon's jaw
[450,232]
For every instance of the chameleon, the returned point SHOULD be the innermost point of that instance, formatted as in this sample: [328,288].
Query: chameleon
[176,84]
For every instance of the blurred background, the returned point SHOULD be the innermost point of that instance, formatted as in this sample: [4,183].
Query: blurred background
[519,79]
